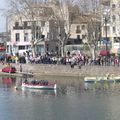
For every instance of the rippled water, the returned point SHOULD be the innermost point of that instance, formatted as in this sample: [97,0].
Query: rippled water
[73,100]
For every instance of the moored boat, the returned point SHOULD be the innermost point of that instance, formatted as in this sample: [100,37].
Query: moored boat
[9,69]
[102,79]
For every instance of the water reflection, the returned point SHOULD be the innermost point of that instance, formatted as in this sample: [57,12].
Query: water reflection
[40,93]
[8,80]
[64,87]
[73,100]
[103,87]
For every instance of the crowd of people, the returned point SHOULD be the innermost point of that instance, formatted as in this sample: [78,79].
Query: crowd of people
[36,82]
[80,60]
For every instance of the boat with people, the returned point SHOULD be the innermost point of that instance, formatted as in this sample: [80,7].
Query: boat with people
[42,84]
[108,78]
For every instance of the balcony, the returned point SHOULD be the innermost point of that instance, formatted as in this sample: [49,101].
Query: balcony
[21,27]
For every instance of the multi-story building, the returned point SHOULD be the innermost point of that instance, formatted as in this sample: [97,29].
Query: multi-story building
[111,21]
[41,28]
[78,33]
[82,28]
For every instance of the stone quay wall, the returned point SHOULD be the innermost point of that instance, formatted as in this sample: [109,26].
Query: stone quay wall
[66,70]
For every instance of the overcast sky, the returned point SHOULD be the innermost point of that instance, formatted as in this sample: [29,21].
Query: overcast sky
[2,19]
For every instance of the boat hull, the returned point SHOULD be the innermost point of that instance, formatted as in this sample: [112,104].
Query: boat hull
[101,79]
[43,87]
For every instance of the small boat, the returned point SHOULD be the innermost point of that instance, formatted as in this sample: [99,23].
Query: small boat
[102,79]
[39,86]
[9,69]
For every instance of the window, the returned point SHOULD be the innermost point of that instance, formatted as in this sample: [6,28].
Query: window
[48,35]
[78,29]
[78,37]
[17,37]
[26,37]
[42,23]
[114,29]
[119,18]
[113,18]
[83,27]
[21,48]
[113,6]
[83,36]
[25,24]
[47,47]
[16,24]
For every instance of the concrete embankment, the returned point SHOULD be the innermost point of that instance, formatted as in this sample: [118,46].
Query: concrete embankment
[62,70]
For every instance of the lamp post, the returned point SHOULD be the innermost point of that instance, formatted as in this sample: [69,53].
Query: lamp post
[106,16]
[106,19]
[106,32]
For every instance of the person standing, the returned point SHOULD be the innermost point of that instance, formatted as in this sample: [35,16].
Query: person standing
[20,68]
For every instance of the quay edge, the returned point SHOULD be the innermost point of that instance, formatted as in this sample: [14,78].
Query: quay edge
[64,70]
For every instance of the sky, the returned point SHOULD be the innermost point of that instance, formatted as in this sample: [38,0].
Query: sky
[2,19]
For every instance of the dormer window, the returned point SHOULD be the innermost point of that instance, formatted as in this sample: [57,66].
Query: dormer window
[113,6]
[16,24]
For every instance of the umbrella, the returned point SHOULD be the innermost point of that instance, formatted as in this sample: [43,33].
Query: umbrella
[2,48]
[104,52]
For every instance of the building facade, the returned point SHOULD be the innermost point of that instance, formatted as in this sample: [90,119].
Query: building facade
[111,22]
[85,29]
[41,28]
[78,34]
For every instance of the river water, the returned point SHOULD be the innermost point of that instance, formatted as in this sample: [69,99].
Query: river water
[73,100]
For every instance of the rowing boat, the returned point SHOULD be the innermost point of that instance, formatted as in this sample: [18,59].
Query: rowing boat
[102,79]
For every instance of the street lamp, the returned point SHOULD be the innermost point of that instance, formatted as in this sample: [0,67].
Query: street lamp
[106,32]
[106,20]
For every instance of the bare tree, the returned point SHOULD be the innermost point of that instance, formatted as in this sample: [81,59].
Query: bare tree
[62,15]
[94,25]
[33,12]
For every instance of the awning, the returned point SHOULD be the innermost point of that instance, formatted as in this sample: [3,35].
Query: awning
[2,48]
[104,52]
[115,50]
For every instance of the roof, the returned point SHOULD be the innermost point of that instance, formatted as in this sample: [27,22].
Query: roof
[105,2]
[86,18]
[80,19]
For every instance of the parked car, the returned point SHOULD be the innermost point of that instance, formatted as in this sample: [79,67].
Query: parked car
[9,69]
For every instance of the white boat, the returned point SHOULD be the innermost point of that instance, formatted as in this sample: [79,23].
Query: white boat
[102,79]
[39,86]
